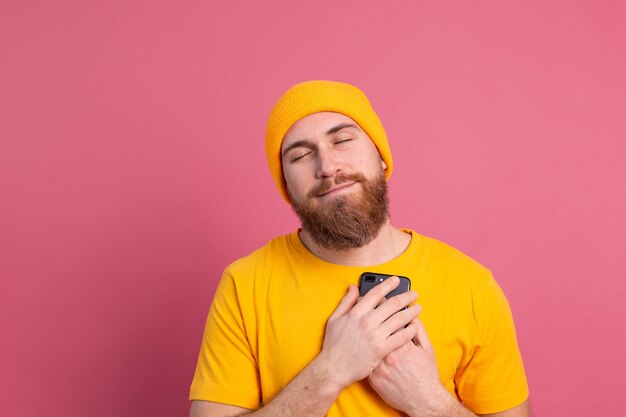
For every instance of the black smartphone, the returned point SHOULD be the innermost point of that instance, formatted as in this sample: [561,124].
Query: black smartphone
[369,280]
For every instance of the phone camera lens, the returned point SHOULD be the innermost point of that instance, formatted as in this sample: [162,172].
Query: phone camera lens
[370,278]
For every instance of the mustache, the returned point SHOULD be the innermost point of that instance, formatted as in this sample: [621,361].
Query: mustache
[338,179]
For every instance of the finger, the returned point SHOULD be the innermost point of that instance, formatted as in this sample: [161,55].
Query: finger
[421,337]
[400,319]
[391,306]
[400,338]
[347,302]
[377,294]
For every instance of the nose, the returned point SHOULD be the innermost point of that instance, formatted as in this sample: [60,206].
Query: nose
[327,164]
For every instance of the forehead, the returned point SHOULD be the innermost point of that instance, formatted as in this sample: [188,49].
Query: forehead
[315,125]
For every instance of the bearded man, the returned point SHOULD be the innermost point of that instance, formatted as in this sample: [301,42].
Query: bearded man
[288,334]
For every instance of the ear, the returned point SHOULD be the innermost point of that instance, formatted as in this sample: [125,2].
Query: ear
[383,164]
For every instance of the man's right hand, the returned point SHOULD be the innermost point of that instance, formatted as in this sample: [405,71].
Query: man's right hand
[361,332]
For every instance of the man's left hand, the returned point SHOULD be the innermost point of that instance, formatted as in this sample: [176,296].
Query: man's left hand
[408,379]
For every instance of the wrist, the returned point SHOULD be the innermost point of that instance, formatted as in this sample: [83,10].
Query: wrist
[331,381]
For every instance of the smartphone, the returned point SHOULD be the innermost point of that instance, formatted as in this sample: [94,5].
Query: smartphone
[369,280]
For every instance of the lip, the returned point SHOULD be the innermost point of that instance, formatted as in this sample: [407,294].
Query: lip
[340,187]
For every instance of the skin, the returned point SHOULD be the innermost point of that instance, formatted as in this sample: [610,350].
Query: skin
[321,156]
[366,337]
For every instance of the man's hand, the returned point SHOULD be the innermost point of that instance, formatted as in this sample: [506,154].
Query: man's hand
[361,332]
[408,380]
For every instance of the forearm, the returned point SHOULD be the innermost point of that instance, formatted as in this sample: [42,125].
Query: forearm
[310,394]
[443,404]
[450,407]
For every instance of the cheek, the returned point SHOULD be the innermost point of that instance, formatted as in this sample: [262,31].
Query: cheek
[369,160]
[290,177]
[370,165]
[295,181]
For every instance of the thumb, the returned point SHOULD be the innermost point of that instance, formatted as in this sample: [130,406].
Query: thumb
[347,302]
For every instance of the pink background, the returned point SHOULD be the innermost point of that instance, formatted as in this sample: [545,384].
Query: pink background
[132,171]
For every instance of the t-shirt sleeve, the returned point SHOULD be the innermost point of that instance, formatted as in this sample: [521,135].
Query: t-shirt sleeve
[493,379]
[227,370]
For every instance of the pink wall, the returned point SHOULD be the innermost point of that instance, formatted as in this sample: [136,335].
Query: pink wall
[132,171]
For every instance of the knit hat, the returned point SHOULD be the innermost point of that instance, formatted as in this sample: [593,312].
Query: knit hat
[311,97]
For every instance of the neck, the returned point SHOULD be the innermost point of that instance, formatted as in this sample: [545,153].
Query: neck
[389,244]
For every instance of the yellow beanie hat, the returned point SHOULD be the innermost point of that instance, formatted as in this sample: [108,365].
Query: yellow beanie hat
[311,97]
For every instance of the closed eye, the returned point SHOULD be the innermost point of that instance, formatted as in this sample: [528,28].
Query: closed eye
[298,157]
[342,141]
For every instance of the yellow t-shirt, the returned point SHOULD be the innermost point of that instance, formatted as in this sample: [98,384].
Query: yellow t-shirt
[269,313]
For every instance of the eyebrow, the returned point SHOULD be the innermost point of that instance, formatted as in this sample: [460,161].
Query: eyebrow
[296,144]
[339,127]
[330,131]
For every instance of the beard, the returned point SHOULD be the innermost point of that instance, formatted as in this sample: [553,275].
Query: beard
[346,221]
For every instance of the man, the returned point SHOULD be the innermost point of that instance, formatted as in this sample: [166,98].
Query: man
[288,335]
